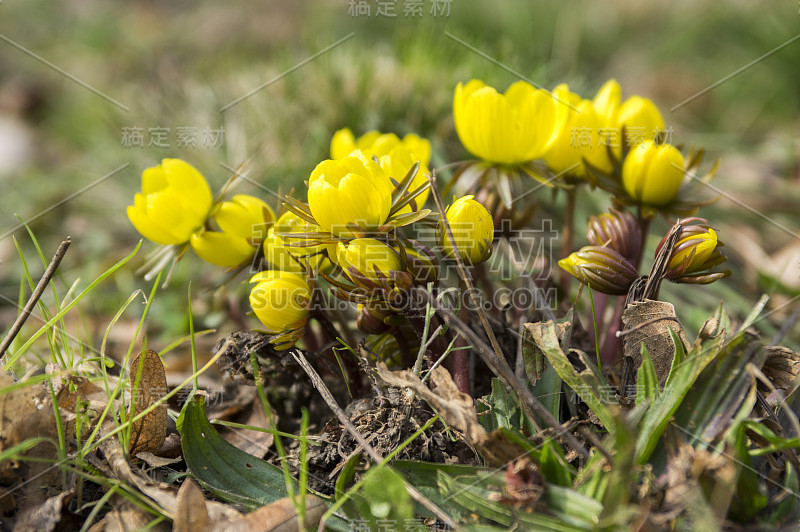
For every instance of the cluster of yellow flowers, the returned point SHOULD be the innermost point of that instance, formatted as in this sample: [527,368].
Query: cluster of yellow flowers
[561,139]
[349,233]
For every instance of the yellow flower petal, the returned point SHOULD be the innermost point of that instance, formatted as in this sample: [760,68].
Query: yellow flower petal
[221,249]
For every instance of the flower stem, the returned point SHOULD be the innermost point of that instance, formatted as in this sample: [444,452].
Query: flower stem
[567,235]
[461,356]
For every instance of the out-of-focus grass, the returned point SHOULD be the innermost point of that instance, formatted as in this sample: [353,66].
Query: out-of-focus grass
[176,65]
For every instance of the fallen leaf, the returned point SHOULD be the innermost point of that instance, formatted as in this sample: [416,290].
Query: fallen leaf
[125,516]
[278,516]
[166,497]
[782,368]
[149,385]
[191,513]
[50,515]
[649,322]
[456,408]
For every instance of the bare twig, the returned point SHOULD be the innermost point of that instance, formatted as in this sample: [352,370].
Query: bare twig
[500,367]
[320,385]
[37,293]
[462,271]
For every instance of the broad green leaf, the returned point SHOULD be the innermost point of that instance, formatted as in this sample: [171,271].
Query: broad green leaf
[384,497]
[230,473]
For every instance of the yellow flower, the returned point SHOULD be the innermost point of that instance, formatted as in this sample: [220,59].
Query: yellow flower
[396,157]
[396,165]
[352,190]
[578,134]
[641,119]
[243,221]
[511,128]
[606,103]
[693,251]
[601,268]
[174,203]
[652,174]
[280,301]
[379,144]
[279,256]
[280,246]
[473,231]
[640,116]
[369,257]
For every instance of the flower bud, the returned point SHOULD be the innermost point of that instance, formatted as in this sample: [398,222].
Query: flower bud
[472,228]
[174,203]
[370,258]
[511,128]
[652,174]
[696,252]
[353,190]
[281,301]
[370,319]
[618,230]
[602,269]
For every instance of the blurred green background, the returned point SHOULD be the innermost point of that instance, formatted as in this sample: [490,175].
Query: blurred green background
[175,65]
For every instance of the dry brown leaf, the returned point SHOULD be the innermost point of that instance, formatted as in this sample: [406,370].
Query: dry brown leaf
[782,368]
[72,388]
[149,384]
[27,413]
[125,517]
[278,516]
[165,496]
[498,450]
[649,322]
[50,515]
[456,408]
[191,513]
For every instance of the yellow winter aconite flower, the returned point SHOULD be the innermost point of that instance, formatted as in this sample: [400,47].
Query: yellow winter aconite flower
[243,221]
[641,118]
[601,268]
[511,128]
[606,103]
[379,144]
[369,257]
[278,255]
[693,251]
[280,301]
[652,174]
[352,190]
[280,242]
[396,165]
[578,134]
[174,203]
[396,156]
[473,231]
